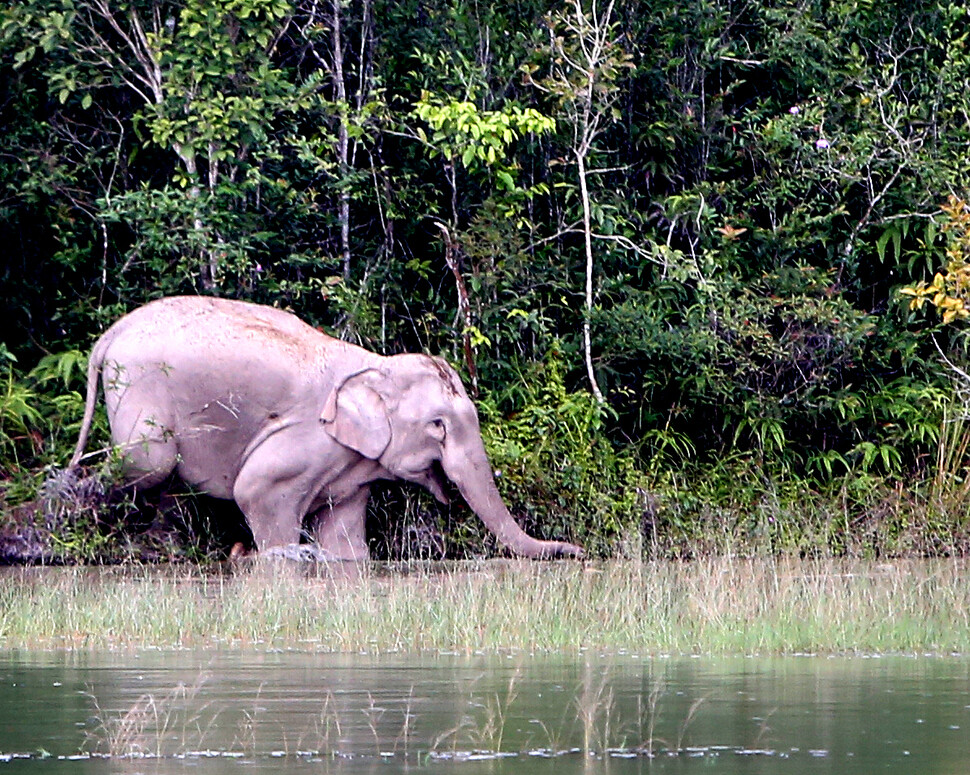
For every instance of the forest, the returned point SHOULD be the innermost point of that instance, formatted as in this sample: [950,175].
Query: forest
[702,263]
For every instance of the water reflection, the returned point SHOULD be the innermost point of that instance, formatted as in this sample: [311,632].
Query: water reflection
[169,711]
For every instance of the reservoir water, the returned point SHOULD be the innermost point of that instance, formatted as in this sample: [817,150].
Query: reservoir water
[250,711]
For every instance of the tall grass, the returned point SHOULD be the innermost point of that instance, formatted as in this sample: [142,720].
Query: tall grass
[721,606]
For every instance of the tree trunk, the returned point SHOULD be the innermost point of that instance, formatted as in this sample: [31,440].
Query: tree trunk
[343,138]
[588,235]
[208,261]
[464,306]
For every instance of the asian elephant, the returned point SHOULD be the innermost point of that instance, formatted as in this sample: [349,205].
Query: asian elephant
[247,402]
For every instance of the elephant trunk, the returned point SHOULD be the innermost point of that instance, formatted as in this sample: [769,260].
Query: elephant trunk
[473,476]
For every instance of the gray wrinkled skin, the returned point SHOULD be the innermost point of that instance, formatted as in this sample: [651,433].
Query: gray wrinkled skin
[247,402]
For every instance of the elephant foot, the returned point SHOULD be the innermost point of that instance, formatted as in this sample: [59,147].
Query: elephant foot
[300,553]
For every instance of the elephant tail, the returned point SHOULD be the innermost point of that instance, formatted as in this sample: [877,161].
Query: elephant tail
[95,361]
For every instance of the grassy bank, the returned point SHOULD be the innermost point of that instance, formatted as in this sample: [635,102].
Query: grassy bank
[707,607]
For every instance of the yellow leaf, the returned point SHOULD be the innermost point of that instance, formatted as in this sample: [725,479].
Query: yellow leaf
[730,232]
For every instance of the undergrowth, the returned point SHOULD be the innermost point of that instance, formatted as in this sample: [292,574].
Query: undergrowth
[558,466]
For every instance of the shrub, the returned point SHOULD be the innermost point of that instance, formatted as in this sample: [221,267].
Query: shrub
[557,467]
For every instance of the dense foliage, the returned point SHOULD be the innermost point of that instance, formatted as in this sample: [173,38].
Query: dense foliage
[663,239]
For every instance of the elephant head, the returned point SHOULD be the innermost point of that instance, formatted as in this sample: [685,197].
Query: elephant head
[411,414]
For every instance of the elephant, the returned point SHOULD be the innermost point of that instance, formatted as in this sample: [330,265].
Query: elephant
[247,402]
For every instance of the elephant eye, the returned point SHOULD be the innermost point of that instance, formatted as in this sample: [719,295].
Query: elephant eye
[437,427]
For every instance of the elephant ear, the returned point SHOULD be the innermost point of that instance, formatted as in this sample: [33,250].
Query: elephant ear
[355,415]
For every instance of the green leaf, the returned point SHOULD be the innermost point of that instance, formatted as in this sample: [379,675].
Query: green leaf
[881,245]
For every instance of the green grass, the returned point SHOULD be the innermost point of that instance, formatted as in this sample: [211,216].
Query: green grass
[721,606]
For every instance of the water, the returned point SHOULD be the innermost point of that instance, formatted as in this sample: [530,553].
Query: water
[232,712]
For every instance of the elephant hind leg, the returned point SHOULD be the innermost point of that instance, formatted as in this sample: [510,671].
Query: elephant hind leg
[147,441]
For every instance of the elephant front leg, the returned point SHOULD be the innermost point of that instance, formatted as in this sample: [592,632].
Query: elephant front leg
[339,529]
[273,507]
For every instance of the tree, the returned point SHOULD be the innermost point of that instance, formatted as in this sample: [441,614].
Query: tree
[202,76]
[587,60]
[464,136]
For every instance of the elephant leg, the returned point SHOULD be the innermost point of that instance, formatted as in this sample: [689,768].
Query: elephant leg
[146,438]
[339,530]
[273,501]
